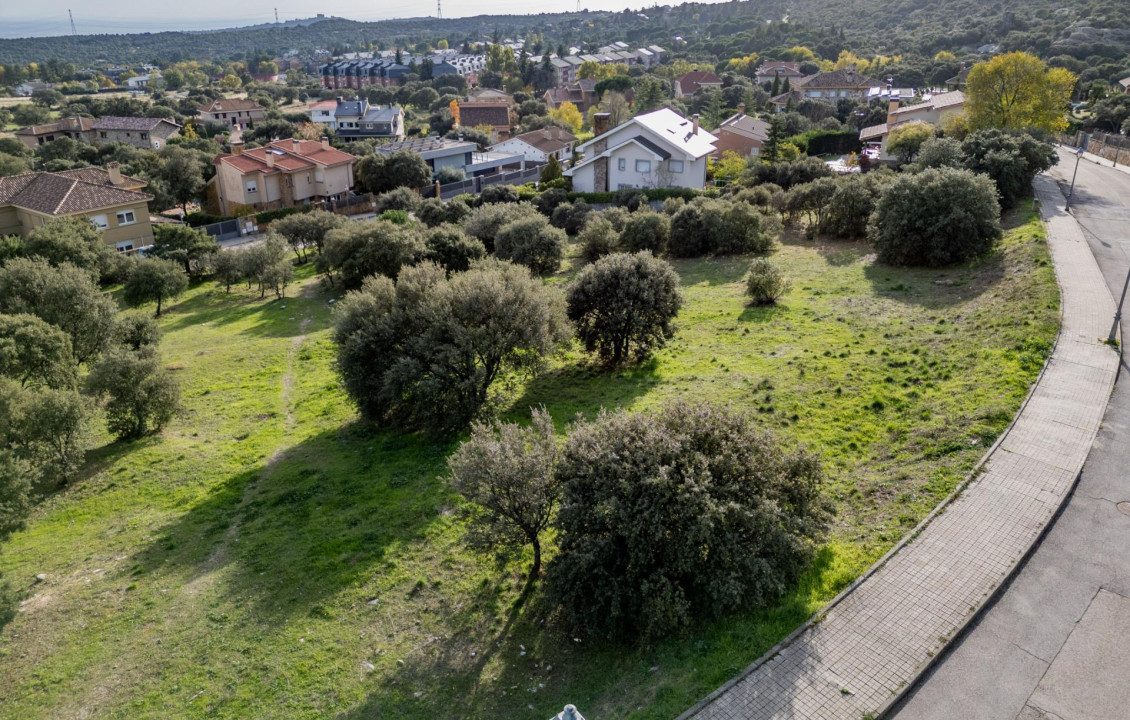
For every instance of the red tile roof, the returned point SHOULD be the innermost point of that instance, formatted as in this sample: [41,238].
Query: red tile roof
[54,194]
[230,105]
[287,157]
[692,81]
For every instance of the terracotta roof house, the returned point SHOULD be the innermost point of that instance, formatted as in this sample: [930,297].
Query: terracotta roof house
[110,176]
[231,112]
[284,173]
[75,128]
[768,71]
[140,132]
[934,109]
[741,134]
[1124,83]
[656,150]
[837,84]
[491,94]
[29,200]
[692,82]
[494,114]
[538,145]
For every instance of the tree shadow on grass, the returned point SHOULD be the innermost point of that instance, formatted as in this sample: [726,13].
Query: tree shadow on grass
[315,519]
[527,659]
[717,270]
[763,313]
[585,388]
[937,287]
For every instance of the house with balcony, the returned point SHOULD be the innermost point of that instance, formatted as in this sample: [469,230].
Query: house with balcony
[767,72]
[285,173]
[537,146]
[358,120]
[439,153]
[660,149]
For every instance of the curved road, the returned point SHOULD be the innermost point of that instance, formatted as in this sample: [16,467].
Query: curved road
[1056,643]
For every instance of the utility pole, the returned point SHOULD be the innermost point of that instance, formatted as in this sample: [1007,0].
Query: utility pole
[74,31]
[276,16]
[439,9]
[1118,311]
[1071,190]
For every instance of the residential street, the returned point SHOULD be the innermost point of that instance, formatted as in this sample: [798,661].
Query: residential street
[1053,646]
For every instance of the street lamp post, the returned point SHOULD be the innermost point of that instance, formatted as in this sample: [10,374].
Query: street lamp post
[1071,191]
[1118,310]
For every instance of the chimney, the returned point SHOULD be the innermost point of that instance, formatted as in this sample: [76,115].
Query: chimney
[115,173]
[741,108]
[270,158]
[891,107]
[340,99]
[601,123]
[694,124]
[325,143]
[296,144]
[235,140]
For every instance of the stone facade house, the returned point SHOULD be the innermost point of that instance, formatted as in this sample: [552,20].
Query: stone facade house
[660,149]
[152,133]
[232,112]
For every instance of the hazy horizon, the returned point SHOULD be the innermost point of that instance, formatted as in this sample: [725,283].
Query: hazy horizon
[91,17]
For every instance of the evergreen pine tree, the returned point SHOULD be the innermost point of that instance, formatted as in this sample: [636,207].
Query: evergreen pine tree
[772,146]
[776,86]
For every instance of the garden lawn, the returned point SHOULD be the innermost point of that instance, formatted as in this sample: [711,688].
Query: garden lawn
[268,556]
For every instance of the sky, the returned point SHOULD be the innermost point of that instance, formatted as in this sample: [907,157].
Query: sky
[49,17]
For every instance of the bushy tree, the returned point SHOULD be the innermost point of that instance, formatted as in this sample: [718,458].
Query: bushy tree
[452,248]
[936,217]
[549,200]
[15,487]
[624,305]
[532,242]
[137,331]
[227,267]
[424,351]
[551,171]
[182,244]
[71,240]
[907,139]
[154,280]
[853,202]
[499,194]
[598,238]
[940,152]
[379,247]
[812,199]
[571,216]
[64,296]
[305,232]
[484,222]
[379,173]
[267,264]
[401,198]
[507,474]
[765,283]
[670,517]
[646,230]
[44,428]
[35,353]
[787,174]
[719,227]
[1017,90]
[434,212]
[1011,158]
[141,395]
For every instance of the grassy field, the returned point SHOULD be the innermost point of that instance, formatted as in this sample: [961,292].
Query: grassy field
[270,557]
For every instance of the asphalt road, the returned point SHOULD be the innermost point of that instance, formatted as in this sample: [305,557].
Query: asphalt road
[1055,645]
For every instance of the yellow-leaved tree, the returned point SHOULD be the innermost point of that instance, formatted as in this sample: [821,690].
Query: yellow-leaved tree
[1018,90]
[568,113]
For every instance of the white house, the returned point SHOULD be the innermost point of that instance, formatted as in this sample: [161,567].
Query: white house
[657,150]
[141,82]
[538,145]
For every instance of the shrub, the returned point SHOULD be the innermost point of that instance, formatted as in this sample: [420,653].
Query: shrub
[434,212]
[485,222]
[532,242]
[507,474]
[452,248]
[852,204]
[906,140]
[396,217]
[137,331]
[812,199]
[307,231]
[401,198]
[379,247]
[631,199]
[43,430]
[673,205]
[424,351]
[548,201]
[571,217]
[499,194]
[71,240]
[717,227]
[598,238]
[448,175]
[940,152]
[1011,158]
[624,305]
[765,283]
[936,217]
[794,172]
[142,395]
[35,353]
[645,230]
[672,517]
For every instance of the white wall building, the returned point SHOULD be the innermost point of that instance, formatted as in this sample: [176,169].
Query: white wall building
[661,149]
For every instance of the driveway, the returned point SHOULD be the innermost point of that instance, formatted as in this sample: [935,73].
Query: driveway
[1056,643]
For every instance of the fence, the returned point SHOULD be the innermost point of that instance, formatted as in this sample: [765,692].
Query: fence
[475,185]
[223,230]
[353,205]
[1115,148]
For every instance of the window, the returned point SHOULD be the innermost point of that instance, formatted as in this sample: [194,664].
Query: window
[643,166]
[307,178]
[103,135]
[319,176]
[144,136]
[675,166]
[125,217]
[125,246]
[621,164]
[99,221]
[251,186]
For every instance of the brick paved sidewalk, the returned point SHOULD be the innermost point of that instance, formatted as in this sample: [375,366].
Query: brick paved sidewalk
[879,635]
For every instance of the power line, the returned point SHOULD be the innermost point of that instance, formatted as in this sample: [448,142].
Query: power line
[74,31]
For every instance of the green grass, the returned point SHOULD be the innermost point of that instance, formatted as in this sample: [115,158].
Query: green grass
[269,556]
